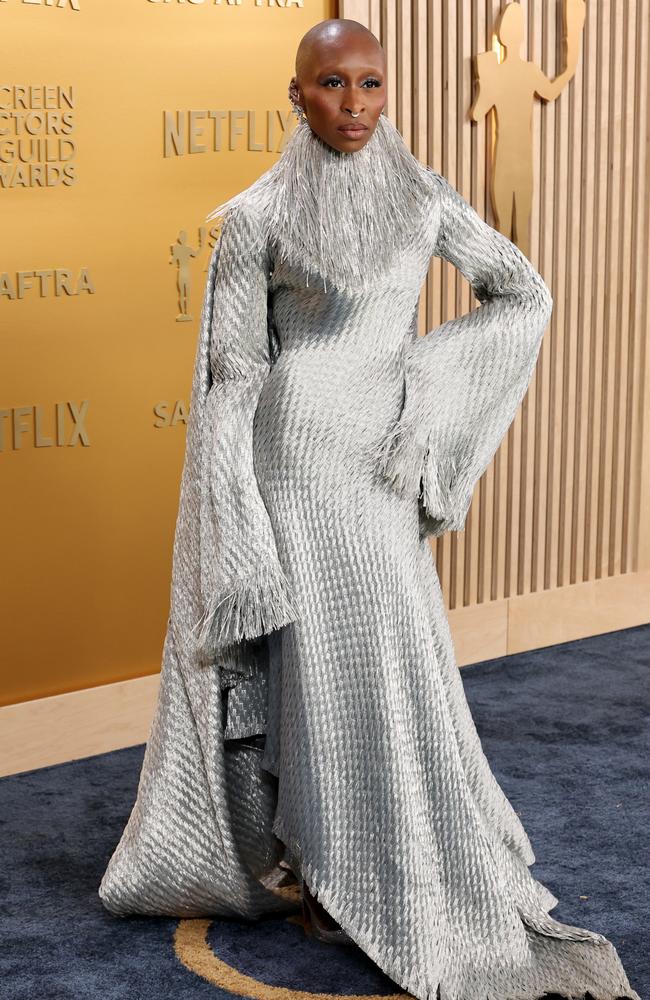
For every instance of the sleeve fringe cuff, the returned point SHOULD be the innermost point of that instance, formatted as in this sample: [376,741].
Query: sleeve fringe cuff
[256,607]
[447,488]
[413,468]
[399,457]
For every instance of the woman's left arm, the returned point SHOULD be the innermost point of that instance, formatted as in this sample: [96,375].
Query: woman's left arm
[466,378]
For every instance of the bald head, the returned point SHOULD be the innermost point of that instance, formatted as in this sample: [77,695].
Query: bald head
[333,36]
[340,82]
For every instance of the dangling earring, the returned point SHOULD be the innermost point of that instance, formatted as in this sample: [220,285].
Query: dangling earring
[297,109]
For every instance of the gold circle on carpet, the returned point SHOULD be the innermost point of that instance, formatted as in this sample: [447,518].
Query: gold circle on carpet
[192,949]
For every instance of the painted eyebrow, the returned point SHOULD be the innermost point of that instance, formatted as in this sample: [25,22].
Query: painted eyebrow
[363,72]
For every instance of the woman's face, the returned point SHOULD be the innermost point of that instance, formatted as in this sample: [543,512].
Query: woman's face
[338,79]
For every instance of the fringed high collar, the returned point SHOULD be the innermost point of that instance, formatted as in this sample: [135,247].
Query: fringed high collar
[342,216]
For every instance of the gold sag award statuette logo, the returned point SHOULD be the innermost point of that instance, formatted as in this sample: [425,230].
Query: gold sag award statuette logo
[508,84]
[181,255]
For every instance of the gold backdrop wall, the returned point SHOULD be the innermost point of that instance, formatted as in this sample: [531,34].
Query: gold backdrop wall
[121,125]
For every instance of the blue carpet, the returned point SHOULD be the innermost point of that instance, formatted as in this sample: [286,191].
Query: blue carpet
[565,730]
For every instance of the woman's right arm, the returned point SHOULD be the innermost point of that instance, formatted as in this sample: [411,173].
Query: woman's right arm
[244,591]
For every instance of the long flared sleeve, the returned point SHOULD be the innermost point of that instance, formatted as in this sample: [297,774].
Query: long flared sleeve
[465,379]
[190,847]
[245,592]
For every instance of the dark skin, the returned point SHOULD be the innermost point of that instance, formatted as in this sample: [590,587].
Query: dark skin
[340,82]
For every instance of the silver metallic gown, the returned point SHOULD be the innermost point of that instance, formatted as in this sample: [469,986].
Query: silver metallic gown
[310,704]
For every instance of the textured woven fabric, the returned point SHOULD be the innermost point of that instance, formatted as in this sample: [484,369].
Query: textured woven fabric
[310,700]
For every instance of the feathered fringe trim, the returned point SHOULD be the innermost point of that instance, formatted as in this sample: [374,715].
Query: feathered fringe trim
[447,488]
[344,217]
[400,459]
[256,607]
[414,468]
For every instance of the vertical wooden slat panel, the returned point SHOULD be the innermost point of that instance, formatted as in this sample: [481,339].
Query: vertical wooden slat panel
[389,41]
[625,186]
[404,43]
[478,153]
[583,282]
[460,96]
[628,187]
[529,407]
[554,271]
[537,401]
[514,485]
[420,79]
[375,25]
[501,545]
[454,302]
[491,572]
[465,21]
[571,154]
[594,291]
[546,369]
[574,332]
[637,539]
[562,500]
[608,441]
[599,389]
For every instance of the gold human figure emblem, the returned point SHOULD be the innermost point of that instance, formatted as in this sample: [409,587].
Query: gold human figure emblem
[509,84]
[181,254]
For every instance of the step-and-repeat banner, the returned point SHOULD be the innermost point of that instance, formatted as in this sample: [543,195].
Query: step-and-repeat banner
[122,123]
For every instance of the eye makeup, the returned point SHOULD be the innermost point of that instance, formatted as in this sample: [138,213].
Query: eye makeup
[337,79]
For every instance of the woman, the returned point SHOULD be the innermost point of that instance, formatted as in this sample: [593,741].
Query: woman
[310,711]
